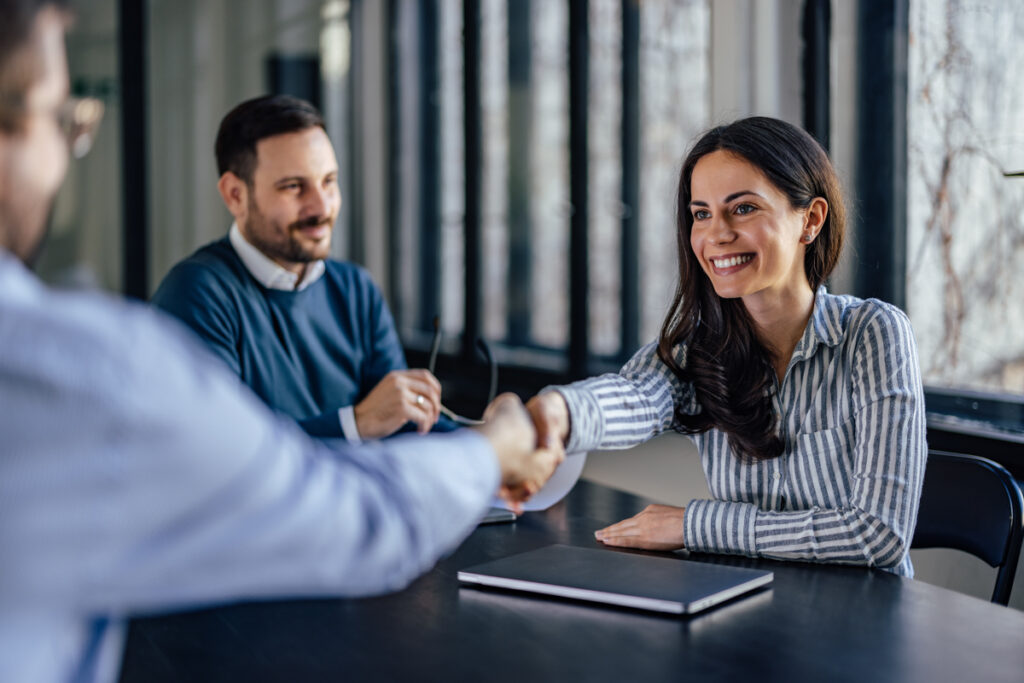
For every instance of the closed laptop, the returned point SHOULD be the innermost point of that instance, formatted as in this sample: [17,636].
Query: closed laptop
[660,584]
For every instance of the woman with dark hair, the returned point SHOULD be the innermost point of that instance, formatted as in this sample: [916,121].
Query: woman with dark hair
[806,407]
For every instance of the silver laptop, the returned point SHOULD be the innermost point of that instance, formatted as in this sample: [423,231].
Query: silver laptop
[660,584]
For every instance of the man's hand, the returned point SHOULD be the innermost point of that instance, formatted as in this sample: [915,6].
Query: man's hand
[402,396]
[550,418]
[658,527]
[525,468]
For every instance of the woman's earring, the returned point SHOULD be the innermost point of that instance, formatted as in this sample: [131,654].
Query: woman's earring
[808,238]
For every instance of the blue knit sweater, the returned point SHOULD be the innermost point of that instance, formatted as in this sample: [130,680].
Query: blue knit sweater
[306,353]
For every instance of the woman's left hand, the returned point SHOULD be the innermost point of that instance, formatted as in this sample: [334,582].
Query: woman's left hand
[658,527]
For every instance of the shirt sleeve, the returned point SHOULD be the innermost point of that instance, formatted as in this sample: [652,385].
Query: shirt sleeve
[621,410]
[888,461]
[334,424]
[171,485]
[349,428]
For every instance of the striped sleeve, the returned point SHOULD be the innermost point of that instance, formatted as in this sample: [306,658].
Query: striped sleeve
[621,410]
[875,525]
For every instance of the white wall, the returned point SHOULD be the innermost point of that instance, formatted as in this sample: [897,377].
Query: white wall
[666,469]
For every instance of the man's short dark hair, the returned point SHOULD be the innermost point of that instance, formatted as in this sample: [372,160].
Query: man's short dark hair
[254,120]
[20,63]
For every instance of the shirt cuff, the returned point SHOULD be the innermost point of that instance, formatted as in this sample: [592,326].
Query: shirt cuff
[718,526]
[347,418]
[586,427]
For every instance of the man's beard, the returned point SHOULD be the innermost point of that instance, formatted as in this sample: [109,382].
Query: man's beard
[27,228]
[44,236]
[291,249]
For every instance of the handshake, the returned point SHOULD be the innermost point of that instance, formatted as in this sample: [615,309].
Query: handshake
[528,440]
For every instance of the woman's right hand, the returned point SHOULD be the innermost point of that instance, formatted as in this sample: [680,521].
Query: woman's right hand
[525,468]
[551,419]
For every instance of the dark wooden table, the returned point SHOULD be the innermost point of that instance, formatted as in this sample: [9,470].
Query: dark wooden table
[818,623]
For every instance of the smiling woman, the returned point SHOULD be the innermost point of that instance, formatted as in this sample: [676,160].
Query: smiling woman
[806,407]
[753,242]
[763,189]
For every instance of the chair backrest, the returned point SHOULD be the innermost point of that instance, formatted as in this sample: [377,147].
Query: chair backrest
[972,504]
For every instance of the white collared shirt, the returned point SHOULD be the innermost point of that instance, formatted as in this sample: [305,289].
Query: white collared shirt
[266,271]
[272,276]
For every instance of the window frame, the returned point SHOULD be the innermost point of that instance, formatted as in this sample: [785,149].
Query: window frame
[978,422]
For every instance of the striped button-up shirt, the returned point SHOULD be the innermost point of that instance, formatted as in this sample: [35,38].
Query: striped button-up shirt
[851,415]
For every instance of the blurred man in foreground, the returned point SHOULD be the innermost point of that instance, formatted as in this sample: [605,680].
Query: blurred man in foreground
[136,475]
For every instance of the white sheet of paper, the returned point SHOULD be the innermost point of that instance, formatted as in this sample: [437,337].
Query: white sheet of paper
[560,483]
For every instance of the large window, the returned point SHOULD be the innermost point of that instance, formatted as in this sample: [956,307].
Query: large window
[509,166]
[615,117]
[965,215]
[675,76]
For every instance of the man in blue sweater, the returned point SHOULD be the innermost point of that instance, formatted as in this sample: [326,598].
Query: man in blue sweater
[313,337]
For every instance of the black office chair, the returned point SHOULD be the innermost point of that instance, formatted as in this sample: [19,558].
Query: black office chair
[972,504]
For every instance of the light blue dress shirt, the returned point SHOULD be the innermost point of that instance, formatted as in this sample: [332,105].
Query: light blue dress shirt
[137,475]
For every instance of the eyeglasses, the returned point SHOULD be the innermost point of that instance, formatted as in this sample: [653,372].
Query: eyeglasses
[77,117]
[485,351]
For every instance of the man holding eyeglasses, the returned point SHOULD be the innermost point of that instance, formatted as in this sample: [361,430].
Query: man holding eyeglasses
[312,336]
[138,475]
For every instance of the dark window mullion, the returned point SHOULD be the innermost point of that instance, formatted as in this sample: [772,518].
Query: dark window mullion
[132,35]
[630,303]
[881,179]
[473,168]
[394,151]
[816,30]
[430,166]
[579,279]
[355,198]
[520,111]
